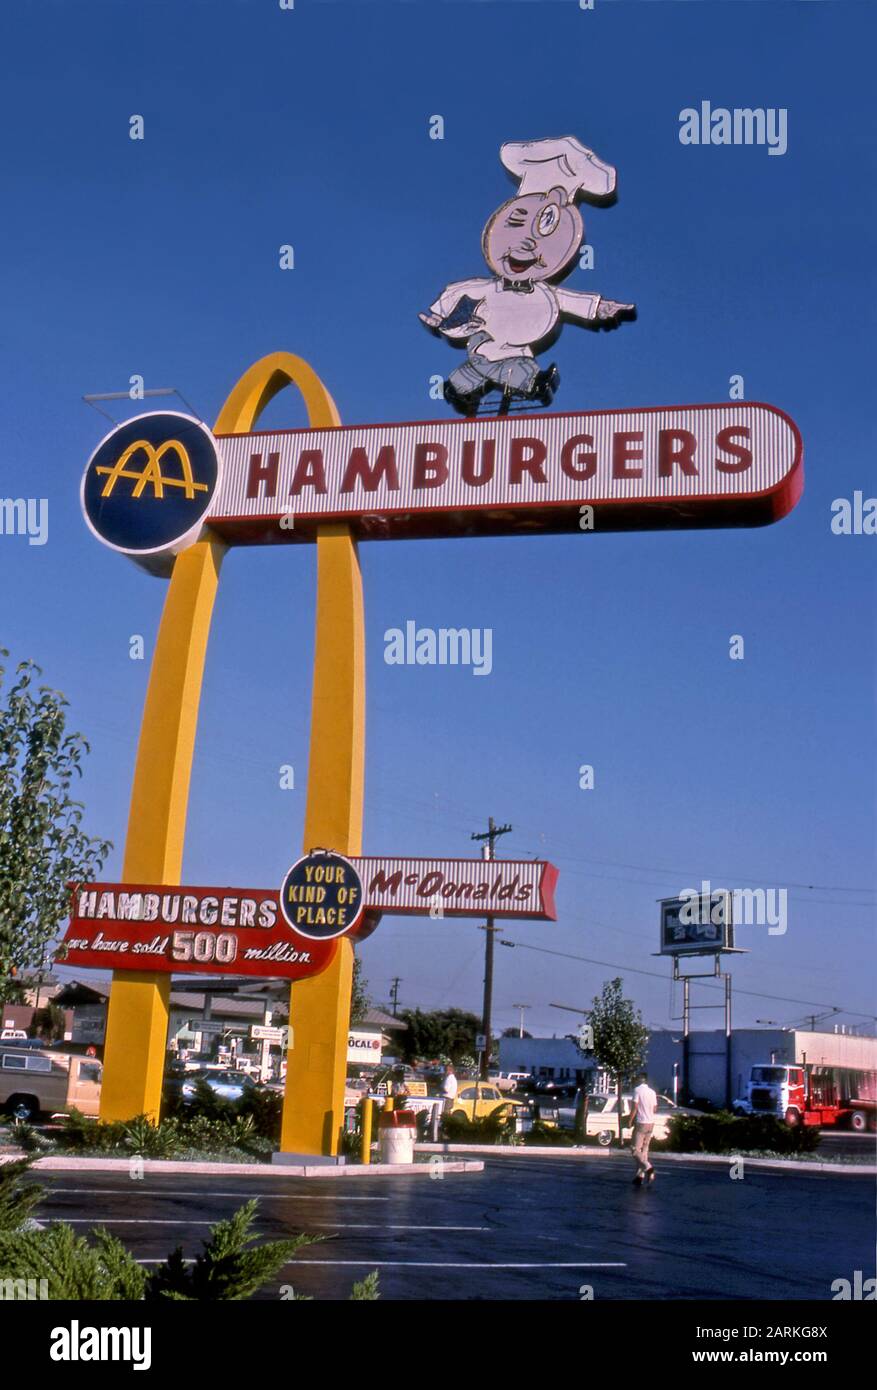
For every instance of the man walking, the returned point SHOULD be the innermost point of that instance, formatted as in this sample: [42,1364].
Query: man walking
[449,1088]
[644,1104]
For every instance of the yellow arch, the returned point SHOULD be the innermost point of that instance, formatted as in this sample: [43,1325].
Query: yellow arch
[137,1016]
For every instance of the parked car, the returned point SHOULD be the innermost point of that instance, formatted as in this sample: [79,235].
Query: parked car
[475,1100]
[602,1119]
[36,1082]
[228,1085]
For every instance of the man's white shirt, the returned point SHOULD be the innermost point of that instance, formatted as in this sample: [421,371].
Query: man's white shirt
[645,1103]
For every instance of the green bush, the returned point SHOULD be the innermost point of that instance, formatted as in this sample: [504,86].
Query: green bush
[231,1266]
[498,1128]
[722,1132]
[550,1134]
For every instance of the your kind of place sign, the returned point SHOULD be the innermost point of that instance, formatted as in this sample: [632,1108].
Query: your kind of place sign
[292,933]
[155,481]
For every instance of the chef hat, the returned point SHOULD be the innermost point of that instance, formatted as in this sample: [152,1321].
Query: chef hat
[558,163]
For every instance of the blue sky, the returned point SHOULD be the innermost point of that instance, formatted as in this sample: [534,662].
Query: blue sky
[310,127]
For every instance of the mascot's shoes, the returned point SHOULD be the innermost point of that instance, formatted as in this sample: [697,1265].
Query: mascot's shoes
[465,403]
[546,384]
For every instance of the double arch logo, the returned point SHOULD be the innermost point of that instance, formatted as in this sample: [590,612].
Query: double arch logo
[149,484]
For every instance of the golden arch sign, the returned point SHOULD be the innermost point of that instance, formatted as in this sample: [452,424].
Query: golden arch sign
[732,463]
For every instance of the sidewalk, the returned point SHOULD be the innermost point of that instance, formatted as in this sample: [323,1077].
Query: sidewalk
[596,1152]
[157,1167]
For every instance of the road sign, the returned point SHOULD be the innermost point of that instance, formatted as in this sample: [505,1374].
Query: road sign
[480,1042]
[261,1032]
[209,1025]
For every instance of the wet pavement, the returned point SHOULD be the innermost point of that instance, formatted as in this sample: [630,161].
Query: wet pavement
[526,1228]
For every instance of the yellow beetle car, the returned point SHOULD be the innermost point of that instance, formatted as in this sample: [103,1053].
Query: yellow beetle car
[475,1100]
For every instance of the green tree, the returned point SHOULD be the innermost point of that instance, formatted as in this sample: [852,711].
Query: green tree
[360,1003]
[443,1032]
[620,1037]
[49,1022]
[42,845]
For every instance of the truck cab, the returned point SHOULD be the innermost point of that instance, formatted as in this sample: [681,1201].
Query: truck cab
[777,1089]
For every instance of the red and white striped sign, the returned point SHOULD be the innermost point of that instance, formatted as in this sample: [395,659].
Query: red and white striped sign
[703,465]
[522,888]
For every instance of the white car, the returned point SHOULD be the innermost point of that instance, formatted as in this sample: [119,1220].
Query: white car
[602,1121]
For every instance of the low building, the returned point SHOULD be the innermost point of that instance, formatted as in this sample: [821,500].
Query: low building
[749,1047]
[548,1059]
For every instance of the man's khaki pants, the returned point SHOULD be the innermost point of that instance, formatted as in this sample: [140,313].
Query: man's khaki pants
[642,1138]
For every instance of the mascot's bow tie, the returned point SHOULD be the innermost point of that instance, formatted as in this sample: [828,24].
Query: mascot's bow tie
[518,286]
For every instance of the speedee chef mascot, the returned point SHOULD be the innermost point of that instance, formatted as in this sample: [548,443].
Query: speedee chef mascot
[530,243]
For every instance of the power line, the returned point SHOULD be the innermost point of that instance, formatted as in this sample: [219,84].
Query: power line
[654,974]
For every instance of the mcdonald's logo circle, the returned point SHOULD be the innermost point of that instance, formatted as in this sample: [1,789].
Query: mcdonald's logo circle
[150,482]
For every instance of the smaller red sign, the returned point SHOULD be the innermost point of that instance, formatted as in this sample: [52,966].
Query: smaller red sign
[201,931]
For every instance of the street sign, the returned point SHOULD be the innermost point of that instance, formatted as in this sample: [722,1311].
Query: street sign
[261,1032]
[480,1042]
[729,464]
[209,1025]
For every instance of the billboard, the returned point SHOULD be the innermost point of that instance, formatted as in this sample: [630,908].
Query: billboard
[697,923]
[731,464]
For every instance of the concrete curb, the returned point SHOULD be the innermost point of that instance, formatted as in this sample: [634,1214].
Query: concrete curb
[155,1167]
[551,1151]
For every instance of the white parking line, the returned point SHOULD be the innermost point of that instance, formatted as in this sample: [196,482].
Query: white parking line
[467,1264]
[240,1196]
[183,1221]
[442,1264]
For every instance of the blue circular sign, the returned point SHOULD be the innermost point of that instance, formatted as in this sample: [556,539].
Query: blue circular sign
[149,483]
[321,896]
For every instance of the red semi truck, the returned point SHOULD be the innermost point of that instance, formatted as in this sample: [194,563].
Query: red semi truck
[812,1095]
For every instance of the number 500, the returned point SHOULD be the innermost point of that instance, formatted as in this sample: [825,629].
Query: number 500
[204,946]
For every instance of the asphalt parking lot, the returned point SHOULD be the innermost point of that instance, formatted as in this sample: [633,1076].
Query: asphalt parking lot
[526,1228]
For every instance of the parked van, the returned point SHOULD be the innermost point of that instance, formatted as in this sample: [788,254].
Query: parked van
[53,1083]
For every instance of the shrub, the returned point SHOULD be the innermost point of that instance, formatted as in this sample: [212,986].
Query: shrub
[541,1133]
[230,1266]
[725,1133]
[498,1128]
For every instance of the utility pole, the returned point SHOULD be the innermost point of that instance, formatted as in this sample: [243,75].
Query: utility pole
[489,837]
[521,1008]
[394,991]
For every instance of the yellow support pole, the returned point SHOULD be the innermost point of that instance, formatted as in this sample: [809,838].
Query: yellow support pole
[137,1016]
[367,1111]
[313,1108]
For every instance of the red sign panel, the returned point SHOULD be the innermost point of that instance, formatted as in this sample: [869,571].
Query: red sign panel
[201,931]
